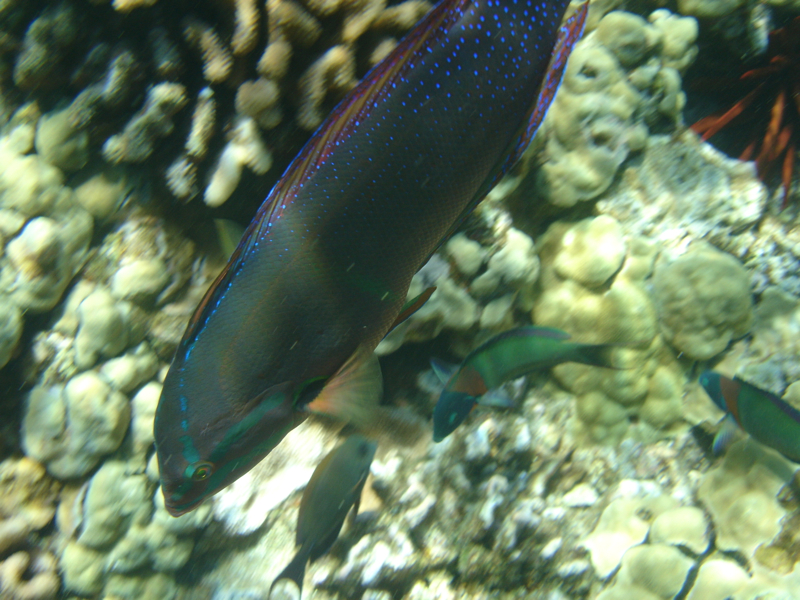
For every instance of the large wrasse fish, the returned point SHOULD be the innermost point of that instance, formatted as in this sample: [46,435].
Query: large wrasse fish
[323,270]
[504,357]
[334,488]
[768,419]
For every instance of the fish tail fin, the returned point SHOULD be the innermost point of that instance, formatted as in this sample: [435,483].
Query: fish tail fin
[295,571]
[354,392]
[597,355]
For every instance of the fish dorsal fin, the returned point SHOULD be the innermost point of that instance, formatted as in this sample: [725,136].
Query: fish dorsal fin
[568,34]
[412,306]
[375,87]
[354,391]
[443,370]
[229,234]
[518,332]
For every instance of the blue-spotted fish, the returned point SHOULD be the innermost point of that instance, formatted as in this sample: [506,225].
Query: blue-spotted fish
[763,415]
[504,357]
[323,270]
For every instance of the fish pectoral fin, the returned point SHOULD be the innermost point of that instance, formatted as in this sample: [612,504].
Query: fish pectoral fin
[727,431]
[496,398]
[442,369]
[353,393]
[412,306]
[358,489]
[229,234]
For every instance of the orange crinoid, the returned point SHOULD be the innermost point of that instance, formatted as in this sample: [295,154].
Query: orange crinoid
[777,89]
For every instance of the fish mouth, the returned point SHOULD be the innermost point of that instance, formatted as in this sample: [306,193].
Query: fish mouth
[176,510]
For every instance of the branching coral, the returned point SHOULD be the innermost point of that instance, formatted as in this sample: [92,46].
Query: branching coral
[244,149]
[307,62]
[333,73]
[46,45]
[153,121]
[245,35]
[217,60]
[294,27]
[260,99]
[181,175]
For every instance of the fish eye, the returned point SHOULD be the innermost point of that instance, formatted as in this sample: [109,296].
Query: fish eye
[202,471]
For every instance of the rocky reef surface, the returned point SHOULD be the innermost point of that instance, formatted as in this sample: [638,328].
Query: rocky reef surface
[618,226]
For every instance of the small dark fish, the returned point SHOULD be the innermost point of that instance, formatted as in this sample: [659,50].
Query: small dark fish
[763,415]
[334,488]
[507,356]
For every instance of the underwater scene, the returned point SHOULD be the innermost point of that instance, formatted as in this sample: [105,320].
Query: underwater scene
[399,300]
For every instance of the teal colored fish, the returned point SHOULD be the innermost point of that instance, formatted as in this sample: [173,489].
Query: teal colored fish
[322,272]
[763,415]
[334,488]
[507,356]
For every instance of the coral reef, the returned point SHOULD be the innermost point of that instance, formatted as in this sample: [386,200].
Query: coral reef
[27,501]
[593,287]
[515,500]
[42,583]
[622,80]
[125,528]
[45,231]
[753,476]
[683,189]
[72,427]
[703,300]
[477,285]
[129,95]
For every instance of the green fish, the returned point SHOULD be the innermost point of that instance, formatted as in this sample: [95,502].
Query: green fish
[763,415]
[507,356]
[334,488]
